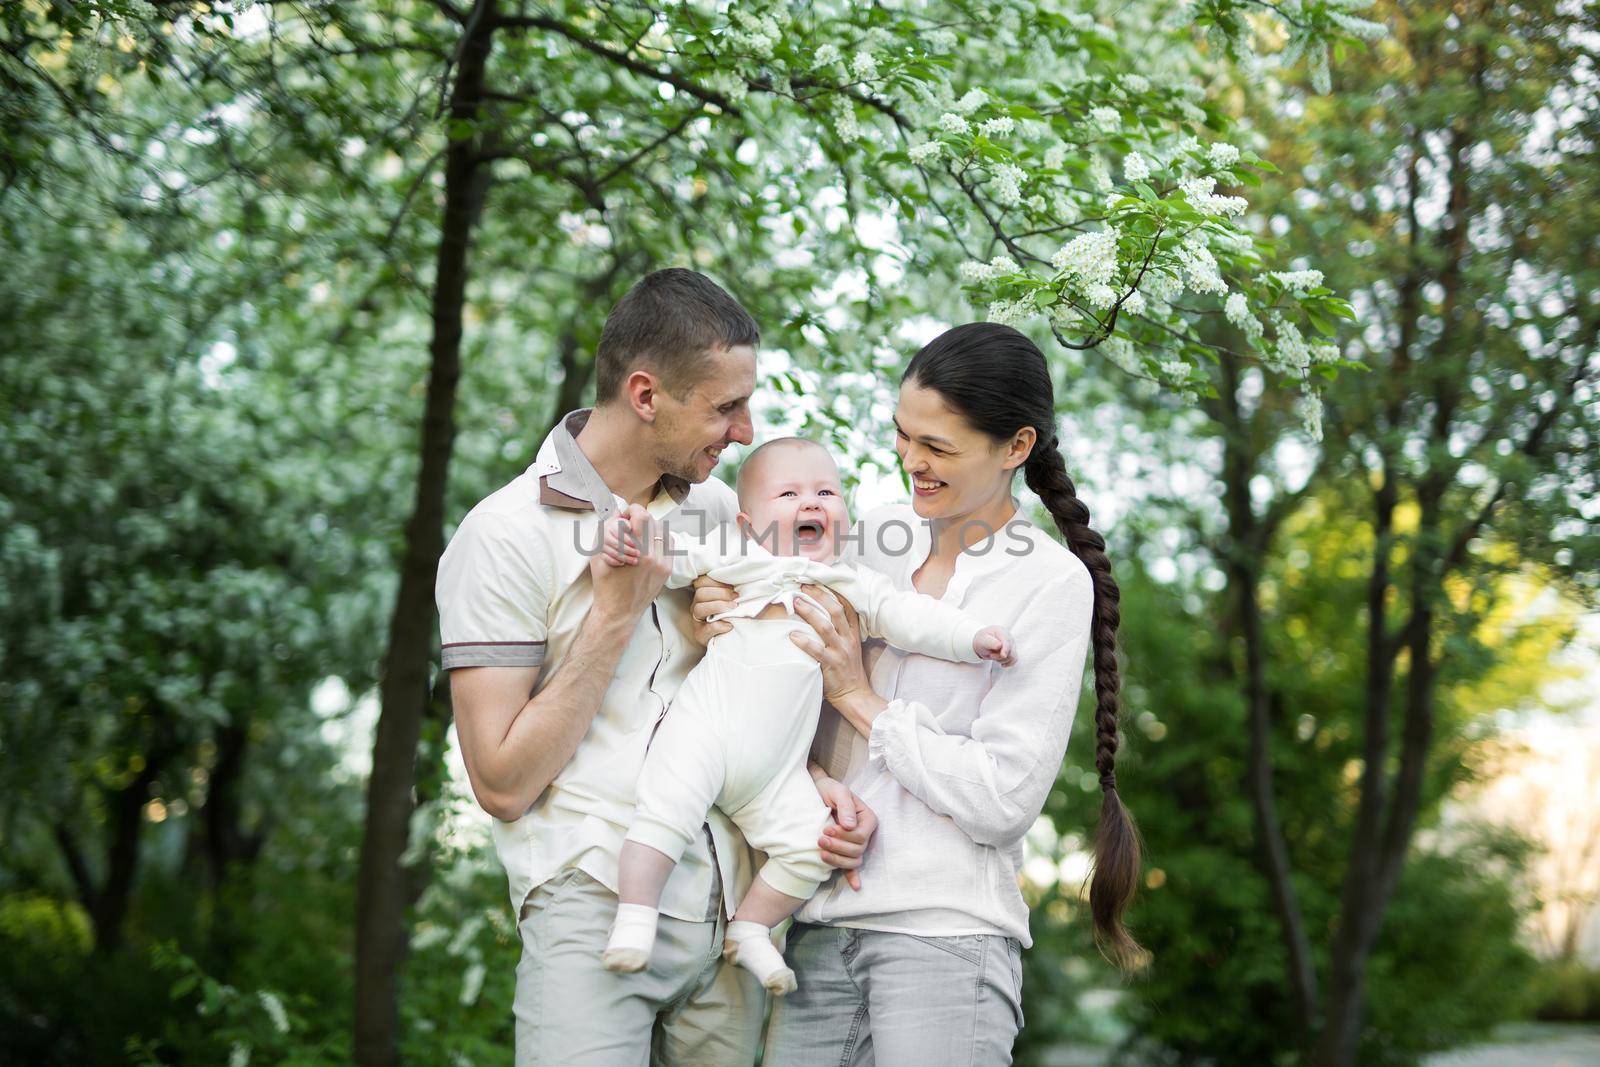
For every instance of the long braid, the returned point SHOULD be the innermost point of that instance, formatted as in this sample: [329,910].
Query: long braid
[1116,846]
[999,382]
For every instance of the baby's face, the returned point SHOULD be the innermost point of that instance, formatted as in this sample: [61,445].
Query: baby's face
[794,506]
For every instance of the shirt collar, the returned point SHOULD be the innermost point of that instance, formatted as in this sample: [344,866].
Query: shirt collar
[1016,538]
[568,480]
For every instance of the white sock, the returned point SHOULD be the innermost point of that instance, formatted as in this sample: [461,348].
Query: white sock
[750,946]
[633,935]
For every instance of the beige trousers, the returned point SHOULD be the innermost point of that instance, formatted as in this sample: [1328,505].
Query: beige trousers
[687,1009]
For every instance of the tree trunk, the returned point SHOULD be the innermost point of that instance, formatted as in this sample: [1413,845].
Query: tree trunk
[383,892]
[1245,547]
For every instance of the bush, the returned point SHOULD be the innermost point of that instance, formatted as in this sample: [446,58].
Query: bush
[1568,992]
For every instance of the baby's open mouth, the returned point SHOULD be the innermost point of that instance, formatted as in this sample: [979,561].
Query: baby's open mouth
[809,530]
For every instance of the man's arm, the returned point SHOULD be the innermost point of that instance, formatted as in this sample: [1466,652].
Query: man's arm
[515,744]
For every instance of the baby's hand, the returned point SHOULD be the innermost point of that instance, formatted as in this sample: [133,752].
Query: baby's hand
[619,547]
[992,642]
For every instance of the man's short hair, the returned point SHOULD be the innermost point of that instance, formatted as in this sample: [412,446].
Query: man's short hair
[667,323]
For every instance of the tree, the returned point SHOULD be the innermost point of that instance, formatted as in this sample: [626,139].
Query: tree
[564,148]
[1414,184]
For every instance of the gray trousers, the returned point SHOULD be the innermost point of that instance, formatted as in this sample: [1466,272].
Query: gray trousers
[687,1009]
[866,997]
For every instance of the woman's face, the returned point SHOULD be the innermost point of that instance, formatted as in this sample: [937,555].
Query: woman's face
[955,470]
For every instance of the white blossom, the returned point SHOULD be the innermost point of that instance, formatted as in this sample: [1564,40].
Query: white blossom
[864,65]
[1006,312]
[1100,174]
[274,1009]
[1004,265]
[1237,311]
[1309,408]
[952,122]
[972,101]
[826,54]
[1365,29]
[1321,78]
[1120,351]
[976,271]
[758,33]
[239,1055]
[1089,258]
[1055,156]
[1064,315]
[1164,287]
[1198,192]
[1100,295]
[941,40]
[846,125]
[1297,280]
[726,82]
[1175,368]
[925,152]
[1134,167]
[1008,179]
[472,983]
[1200,266]
[1134,303]
[1135,83]
[1292,351]
[1000,125]
[1106,118]
[1224,154]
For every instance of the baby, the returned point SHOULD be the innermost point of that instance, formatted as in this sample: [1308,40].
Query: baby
[740,729]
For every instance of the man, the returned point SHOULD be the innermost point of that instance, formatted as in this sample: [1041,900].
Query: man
[527,608]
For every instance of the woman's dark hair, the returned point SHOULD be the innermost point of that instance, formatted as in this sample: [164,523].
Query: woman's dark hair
[997,379]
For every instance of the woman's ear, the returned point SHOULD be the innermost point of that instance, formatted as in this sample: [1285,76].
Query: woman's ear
[1020,447]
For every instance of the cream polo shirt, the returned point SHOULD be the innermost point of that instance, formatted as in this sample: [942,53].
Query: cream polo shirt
[513,590]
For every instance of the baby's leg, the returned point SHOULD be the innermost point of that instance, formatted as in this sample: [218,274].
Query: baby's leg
[784,821]
[682,775]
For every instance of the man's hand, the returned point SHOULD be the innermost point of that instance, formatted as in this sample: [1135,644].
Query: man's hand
[844,840]
[624,592]
[710,598]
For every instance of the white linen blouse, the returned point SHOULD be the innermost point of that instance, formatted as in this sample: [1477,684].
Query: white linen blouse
[958,765]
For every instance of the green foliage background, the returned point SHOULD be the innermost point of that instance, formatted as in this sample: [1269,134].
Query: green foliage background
[214,333]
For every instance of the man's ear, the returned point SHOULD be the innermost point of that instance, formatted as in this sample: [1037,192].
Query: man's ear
[643,392]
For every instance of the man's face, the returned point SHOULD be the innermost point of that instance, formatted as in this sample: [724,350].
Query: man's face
[691,433]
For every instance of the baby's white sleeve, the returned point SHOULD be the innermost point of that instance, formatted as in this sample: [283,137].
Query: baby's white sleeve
[910,620]
[718,555]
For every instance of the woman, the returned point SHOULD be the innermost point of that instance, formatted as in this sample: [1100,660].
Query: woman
[922,965]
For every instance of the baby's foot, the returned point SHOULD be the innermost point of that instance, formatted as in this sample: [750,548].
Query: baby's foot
[633,935]
[750,946]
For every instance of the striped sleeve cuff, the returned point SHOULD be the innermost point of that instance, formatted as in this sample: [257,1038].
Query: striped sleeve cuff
[492,654]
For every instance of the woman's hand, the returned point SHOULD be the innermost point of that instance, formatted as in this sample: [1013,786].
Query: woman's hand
[844,840]
[710,598]
[837,647]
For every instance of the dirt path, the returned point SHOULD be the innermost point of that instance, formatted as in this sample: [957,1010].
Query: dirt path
[1531,1046]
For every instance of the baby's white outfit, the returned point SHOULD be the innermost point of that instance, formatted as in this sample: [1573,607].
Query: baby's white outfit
[738,733]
